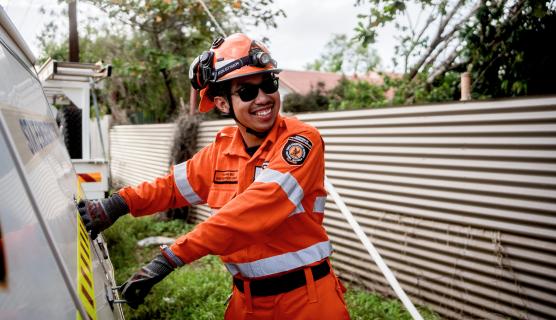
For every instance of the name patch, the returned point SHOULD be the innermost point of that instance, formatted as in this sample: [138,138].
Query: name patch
[296,150]
[225,177]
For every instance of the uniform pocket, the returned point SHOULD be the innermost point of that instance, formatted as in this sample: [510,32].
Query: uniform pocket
[218,197]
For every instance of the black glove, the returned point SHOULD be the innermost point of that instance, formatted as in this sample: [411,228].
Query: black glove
[98,215]
[136,288]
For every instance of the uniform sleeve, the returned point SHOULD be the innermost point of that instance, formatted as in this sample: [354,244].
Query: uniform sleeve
[187,184]
[295,170]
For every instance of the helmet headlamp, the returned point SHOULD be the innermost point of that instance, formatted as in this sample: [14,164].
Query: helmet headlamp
[229,58]
[202,69]
[261,59]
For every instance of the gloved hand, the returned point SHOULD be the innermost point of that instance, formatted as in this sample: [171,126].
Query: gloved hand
[136,288]
[98,215]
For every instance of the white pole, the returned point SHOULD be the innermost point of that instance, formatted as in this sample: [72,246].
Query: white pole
[372,251]
[216,24]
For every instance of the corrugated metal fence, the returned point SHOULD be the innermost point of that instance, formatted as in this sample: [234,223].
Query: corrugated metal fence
[458,198]
[140,152]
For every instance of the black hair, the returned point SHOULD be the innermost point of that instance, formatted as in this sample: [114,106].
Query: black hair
[219,89]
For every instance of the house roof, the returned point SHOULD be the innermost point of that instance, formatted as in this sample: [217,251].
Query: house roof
[303,81]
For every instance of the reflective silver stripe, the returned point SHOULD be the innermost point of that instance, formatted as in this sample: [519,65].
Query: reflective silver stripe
[232,268]
[298,209]
[319,204]
[180,176]
[283,262]
[288,183]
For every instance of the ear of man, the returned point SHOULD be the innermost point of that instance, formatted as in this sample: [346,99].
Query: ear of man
[222,104]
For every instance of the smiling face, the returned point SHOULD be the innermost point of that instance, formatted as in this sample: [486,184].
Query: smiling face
[259,113]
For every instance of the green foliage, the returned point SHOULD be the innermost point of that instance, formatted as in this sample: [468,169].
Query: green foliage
[124,234]
[419,91]
[315,100]
[150,45]
[511,58]
[360,94]
[502,44]
[199,290]
[347,56]
[356,94]
[423,29]
[196,291]
[368,306]
[347,94]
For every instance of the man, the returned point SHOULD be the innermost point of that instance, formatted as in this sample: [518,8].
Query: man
[264,181]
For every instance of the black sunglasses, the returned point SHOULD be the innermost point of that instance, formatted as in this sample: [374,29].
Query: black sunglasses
[249,91]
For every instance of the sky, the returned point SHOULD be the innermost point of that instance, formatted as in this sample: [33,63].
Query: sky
[299,39]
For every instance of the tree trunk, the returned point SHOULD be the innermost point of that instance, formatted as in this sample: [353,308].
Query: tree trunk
[167,80]
[73,36]
[167,83]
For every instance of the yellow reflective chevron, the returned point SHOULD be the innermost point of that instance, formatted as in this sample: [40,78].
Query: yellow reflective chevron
[85,279]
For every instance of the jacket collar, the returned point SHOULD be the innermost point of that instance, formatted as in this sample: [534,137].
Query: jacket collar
[237,147]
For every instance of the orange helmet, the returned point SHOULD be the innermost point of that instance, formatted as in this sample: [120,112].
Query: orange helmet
[229,58]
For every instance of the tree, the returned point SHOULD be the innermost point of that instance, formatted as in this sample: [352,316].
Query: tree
[346,56]
[498,41]
[427,31]
[347,94]
[150,45]
[315,100]
[512,57]
[356,94]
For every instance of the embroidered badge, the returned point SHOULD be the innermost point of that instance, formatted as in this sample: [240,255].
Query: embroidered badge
[296,149]
[225,177]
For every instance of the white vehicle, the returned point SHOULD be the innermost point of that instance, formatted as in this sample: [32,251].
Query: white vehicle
[49,266]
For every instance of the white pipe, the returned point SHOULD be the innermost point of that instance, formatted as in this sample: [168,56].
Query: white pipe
[372,251]
[97,113]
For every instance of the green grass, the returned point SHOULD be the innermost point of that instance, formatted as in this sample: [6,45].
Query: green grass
[364,305]
[199,290]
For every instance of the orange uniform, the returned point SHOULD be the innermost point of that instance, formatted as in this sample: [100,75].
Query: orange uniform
[267,217]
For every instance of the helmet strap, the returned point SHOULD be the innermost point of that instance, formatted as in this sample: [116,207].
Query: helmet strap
[231,113]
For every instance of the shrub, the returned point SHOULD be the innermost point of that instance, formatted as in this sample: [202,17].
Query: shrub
[356,94]
[315,100]
[347,94]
